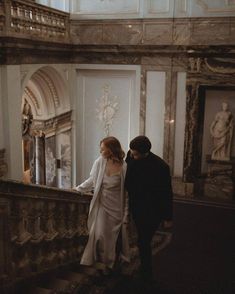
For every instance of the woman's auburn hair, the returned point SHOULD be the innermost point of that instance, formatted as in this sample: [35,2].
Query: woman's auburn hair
[115,147]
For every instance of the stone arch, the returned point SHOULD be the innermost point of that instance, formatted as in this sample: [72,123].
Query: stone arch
[46,91]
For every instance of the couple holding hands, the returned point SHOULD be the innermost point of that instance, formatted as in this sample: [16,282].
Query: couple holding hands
[140,187]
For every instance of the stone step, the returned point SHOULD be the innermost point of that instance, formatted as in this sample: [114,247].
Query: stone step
[39,290]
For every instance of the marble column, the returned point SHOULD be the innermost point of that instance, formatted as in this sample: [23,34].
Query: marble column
[40,159]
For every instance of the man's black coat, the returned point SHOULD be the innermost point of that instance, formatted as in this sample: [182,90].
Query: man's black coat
[148,183]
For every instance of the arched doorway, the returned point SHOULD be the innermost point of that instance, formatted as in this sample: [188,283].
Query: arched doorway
[46,129]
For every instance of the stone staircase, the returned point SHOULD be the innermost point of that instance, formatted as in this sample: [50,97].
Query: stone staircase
[78,280]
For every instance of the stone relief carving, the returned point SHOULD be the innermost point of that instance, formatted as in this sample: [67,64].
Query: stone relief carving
[195,64]
[221,130]
[107,108]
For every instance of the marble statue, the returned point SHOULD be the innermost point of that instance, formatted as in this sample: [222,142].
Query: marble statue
[221,130]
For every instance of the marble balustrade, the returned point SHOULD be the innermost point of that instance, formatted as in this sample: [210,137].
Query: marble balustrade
[40,229]
[23,18]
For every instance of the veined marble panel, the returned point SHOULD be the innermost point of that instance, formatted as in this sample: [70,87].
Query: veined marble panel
[180,124]
[182,32]
[87,33]
[50,155]
[64,150]
[123,34]
[212,32]
[158,33]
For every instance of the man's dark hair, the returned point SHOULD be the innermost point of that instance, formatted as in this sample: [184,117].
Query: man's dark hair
[141,144]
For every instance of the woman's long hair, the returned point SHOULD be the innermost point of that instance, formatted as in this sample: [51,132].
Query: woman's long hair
[115,147]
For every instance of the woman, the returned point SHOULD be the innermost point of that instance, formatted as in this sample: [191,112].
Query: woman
[108,208]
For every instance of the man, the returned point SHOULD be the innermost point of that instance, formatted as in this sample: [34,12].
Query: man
[148,183]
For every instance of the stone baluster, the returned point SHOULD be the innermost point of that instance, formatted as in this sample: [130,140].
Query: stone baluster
[5,248]
[36,222]
[82,220]
[72,230]
[50,230]
[82,228]
[40,157]
[23,234]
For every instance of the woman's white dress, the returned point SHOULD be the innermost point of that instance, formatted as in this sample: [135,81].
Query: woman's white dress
[108,222]
[107,216]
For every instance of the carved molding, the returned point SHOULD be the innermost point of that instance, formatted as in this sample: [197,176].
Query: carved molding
[52,88]
[223,66]
[32,98]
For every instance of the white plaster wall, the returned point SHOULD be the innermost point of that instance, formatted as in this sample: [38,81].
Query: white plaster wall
[124,83]
[11,103]
[180,124]
[61,4]
[143,8]
[155,110]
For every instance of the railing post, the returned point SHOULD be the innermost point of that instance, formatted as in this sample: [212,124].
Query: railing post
[5,242]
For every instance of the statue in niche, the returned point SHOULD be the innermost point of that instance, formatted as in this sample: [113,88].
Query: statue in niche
[27,118]
[221,130]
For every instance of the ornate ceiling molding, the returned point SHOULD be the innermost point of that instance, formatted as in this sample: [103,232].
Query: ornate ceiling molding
[51,86]
[32,98]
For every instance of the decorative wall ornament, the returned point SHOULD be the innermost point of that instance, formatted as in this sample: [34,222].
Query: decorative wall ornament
[195,64]
[27,118]
[219,65]
[107,108]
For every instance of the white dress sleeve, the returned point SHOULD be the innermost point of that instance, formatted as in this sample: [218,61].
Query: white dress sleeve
[89,183]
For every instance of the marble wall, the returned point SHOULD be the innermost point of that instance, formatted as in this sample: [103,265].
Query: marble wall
[158,32]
